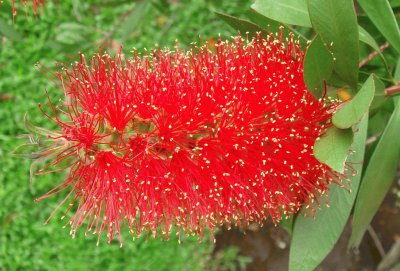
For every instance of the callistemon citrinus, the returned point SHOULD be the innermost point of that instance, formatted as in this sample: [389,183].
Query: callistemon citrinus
[191,140]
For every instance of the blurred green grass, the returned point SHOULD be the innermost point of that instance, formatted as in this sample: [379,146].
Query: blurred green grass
[58,34]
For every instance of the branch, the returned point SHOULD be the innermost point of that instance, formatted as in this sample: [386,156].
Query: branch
[393,90]
[372,55]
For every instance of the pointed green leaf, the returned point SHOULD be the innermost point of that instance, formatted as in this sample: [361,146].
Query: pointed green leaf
[378,175]
[241,25]
[353,110]
[332,148]
[318,66]
[284,11]
[336,22]
[381,14]
[367,39]
[377,178]
[262,21]
[312,239]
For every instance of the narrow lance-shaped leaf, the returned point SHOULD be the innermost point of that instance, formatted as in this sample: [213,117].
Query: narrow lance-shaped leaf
[284,11]
[336,22]
[353,110]
[318,66]
[312,239]
[241,25]
[368,39]
[274,26]
[378,175]
[263,22]
[381,14]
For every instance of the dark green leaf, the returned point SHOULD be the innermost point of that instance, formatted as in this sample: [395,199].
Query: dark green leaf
[312,240]
[336,22]
[8,31]
[378,176]
[287,224]
[332,148]
[284,11]
[367,38]
[382,16]
[318,66]
[262,21]
[242,25]
[353,110]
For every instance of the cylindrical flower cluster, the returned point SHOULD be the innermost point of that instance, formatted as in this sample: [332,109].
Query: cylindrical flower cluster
[191,140]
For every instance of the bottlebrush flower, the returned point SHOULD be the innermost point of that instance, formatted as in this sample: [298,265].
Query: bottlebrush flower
[35,4]
[191,139]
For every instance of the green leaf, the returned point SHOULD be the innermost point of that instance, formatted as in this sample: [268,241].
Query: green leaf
[8,31]
[263,22]
[336,22]
[241,25]
[379,97]
[287,224]
[353,110]
[381,14]
[378,175]
[332,148]
[284,11]
[318,66]
[134,17]
[312,240]
[367,38]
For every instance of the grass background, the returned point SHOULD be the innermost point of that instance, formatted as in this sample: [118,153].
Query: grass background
[57,34]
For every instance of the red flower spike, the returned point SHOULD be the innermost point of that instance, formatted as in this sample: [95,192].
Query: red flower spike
[190,139]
